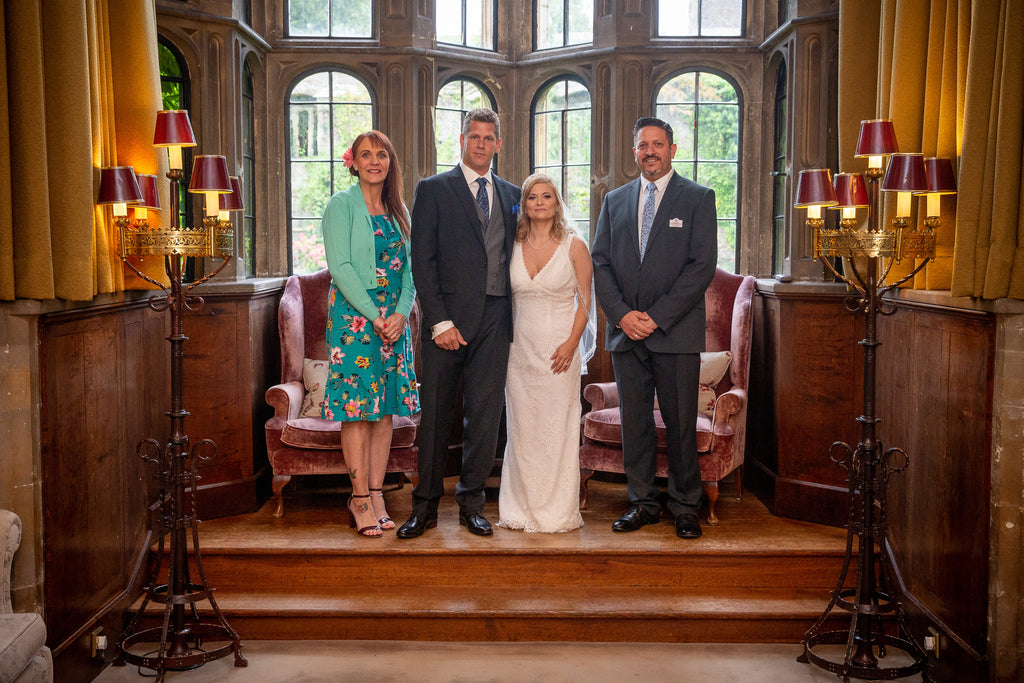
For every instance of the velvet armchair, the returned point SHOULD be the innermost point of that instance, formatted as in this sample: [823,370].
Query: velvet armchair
[721,426]
[299,441]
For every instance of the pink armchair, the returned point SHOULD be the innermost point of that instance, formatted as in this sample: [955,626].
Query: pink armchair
[312,445]
[721,438]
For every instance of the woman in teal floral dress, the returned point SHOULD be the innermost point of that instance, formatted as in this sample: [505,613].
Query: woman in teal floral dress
[371,377]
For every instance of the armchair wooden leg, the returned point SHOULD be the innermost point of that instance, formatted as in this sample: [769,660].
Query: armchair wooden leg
[739,482]
[277,485]
[711,490]
[585,476]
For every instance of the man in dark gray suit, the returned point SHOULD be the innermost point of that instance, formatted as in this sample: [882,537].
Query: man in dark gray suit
[462,232]
[655,251]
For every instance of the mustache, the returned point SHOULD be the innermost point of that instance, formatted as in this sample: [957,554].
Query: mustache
[651,157]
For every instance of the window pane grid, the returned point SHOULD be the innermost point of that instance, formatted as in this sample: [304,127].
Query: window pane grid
[453,101]
[465,22]
[563,22]
[703,109]
[561,128]
[700,18]
[330,18]
[326,110]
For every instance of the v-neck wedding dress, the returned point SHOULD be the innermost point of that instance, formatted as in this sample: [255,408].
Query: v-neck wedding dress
[540,475]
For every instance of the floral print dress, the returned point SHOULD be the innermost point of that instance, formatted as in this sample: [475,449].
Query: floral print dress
[368,378]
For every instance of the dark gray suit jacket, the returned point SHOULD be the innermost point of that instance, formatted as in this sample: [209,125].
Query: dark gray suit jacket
[449,260]
[682,253]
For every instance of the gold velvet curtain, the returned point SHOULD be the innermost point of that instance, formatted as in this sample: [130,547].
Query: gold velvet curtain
[947,72]
[83,87]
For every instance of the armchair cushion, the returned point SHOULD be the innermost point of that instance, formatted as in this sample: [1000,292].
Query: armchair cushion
[318,434]
[314,379]
[713,365]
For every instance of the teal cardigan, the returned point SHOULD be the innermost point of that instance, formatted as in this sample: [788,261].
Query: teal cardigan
[348,241]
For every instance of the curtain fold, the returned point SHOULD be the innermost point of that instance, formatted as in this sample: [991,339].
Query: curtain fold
[948,76]
[66,119]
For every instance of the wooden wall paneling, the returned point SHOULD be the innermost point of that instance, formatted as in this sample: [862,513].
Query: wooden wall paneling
[98,374]
[231,358]
[935,404]
[805,395]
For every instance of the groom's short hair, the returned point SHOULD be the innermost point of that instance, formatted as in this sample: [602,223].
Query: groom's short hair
[483,116]
[645,121]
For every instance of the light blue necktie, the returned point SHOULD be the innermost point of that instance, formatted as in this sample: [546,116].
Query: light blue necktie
[648,218]
[482,198]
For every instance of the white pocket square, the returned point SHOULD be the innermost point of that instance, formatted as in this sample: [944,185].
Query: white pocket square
[675,223]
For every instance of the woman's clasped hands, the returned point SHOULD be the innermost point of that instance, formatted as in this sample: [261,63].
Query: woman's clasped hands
[389,328]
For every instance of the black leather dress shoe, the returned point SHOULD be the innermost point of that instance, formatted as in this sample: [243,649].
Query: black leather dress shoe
[687,526]
[416,525]
[634,518]
[476,523]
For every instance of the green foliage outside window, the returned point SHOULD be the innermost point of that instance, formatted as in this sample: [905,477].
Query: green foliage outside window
[704,112]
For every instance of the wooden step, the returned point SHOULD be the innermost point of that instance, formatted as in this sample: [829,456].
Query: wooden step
[755,578]
[522,614]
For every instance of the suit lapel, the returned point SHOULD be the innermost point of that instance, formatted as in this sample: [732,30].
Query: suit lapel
[633,207]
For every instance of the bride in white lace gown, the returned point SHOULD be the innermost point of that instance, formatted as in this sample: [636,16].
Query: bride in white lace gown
[552,303]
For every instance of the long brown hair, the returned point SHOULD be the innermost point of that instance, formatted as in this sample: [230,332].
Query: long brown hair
[391,194]
[560,228]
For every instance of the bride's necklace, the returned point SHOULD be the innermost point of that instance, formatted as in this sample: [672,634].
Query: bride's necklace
[535,246]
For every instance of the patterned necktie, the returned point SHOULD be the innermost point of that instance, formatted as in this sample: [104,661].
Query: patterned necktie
[648,218]
[482,198]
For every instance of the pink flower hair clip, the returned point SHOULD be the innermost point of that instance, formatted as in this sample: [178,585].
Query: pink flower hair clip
[346,158]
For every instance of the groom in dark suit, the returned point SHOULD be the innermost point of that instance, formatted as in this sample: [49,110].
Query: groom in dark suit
[655,251]
[462,232]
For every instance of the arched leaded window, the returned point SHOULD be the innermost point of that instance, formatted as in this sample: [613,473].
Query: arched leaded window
[779,147]
[562,22]
[560,128]
[453,101]
[704,111]
[700,18]
[326,111]
[330,18]
[248,227]
[470,23]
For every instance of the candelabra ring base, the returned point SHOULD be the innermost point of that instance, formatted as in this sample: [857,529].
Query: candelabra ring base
[868,670]
[188,651]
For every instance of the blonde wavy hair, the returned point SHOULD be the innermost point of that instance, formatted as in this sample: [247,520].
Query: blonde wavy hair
[560,229]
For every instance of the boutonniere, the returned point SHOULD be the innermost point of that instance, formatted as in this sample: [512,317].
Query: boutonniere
[515,211]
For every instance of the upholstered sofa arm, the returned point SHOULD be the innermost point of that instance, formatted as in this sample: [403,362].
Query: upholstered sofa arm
[601,395]
[728,404]
[286,400]
[10,539]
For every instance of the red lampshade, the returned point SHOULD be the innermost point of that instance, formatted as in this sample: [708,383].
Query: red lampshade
[851,192]
[173,128]
[905,174]
[210,174]
[119,186]
[232,201]
[814,188]
[940,175]
[150,196]
[877,137]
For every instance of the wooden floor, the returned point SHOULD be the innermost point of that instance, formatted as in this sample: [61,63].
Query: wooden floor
[754,578]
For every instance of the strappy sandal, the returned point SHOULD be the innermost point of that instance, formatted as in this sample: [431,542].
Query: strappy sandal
[379,511]
[371,530]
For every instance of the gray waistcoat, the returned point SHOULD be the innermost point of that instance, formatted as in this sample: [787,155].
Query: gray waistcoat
[494,242]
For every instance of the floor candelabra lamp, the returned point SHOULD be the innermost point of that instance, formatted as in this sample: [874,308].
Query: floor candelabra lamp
[184,639]
[877,617]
